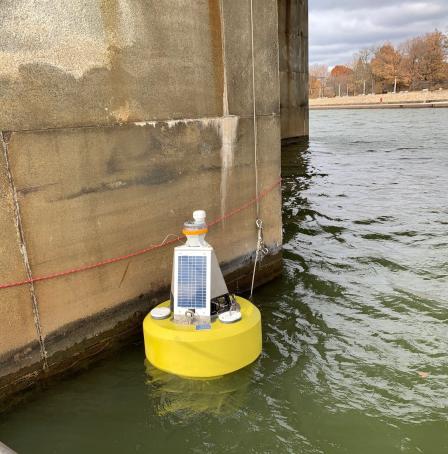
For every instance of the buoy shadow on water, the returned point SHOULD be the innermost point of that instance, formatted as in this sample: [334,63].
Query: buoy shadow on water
[178,395]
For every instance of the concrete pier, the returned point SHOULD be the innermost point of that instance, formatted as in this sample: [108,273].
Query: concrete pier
[293,61]
[118,119]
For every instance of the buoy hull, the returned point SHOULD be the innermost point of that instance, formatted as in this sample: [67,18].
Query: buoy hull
[203,353]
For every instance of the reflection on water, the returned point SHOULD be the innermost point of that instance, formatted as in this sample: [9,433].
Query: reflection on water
[221,396]
[366,244]
[355,332]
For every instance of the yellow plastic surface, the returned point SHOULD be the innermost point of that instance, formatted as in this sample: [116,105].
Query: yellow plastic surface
[183,350]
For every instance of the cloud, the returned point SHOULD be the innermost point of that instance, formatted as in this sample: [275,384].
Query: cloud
[338,29]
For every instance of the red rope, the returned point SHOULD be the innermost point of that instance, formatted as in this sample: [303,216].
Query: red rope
[153,247]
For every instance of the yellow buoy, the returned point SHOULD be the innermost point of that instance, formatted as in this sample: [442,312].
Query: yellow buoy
[208,350]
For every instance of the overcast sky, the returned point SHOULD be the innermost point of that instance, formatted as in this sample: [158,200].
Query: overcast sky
[338,28]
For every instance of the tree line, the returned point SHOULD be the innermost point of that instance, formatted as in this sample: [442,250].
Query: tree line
[417,64]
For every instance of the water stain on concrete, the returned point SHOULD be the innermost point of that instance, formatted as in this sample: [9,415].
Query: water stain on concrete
[154,176]
[228,130]
[152,65]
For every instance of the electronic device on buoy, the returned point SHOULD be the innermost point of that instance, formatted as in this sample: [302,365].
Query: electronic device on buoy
[203,330]
[198,289]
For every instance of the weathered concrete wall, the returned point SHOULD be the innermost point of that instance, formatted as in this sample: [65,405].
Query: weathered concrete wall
[118,119]
[293,58]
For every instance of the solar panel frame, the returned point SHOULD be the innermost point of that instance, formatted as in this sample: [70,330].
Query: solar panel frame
[192,280]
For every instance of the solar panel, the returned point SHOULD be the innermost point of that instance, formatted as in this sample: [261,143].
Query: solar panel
[192,281]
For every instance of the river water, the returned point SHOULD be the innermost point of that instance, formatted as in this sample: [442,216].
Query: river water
[355,354]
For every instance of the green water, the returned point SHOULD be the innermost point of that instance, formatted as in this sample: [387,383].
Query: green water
[360,310]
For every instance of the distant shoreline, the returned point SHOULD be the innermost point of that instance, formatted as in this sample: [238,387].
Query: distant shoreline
[408,105]
[402,100]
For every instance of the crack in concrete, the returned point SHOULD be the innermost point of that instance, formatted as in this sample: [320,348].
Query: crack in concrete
[4,137]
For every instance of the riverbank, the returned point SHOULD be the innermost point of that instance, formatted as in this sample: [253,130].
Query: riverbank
[420,99]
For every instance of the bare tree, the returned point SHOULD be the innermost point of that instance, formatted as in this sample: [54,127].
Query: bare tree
[362,70]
